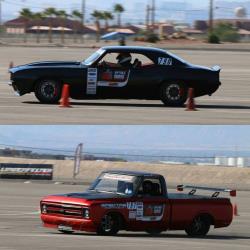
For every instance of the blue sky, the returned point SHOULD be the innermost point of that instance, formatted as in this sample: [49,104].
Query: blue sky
[12,7]
[128,137]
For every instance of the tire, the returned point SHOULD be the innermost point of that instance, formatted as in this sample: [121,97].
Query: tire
[154,232]
[48,91]
[173,94]
[199,226]
[110,225]
[66,232]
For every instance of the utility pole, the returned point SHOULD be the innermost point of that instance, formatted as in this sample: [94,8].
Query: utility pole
[147,17]
[211,16]
[1,13]
[153,13]
[83,11]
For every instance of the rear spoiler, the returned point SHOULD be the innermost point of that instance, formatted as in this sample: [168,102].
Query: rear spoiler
[216,68]
[216,191]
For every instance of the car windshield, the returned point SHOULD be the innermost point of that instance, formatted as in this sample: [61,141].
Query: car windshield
[115,183]
[93,57]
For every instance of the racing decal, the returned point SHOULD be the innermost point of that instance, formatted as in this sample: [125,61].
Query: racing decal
[120,75]
[26,171]
[118,177]
[138,211]
[119,80]
[91,81]
[168,61]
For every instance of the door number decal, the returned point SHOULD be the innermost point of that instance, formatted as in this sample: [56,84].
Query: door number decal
[91,81]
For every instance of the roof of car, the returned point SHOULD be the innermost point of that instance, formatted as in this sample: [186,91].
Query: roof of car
[134,49]
[134,173]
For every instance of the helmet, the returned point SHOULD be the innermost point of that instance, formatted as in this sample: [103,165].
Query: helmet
[124,58]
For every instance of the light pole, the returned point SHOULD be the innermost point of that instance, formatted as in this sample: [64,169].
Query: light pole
[1,13]
[211,16]
[83,11]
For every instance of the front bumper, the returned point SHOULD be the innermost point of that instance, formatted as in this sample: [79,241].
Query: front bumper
[53,221]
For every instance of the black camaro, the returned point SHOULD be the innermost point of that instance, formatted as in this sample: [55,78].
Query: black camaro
[148,73]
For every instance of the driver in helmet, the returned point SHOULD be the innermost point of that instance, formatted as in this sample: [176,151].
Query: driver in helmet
[124,60]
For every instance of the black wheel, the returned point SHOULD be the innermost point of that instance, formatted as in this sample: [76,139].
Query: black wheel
[110,225]
[66,232]
[48,91]
[199,227]
[154,232]
[173,94]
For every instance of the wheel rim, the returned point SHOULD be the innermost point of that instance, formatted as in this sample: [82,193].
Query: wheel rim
[48,89]
[173,92]
[197,225]
[107,223]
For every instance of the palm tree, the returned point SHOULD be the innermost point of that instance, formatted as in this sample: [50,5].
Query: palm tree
[119,9]
[38,16]
[63,15]
[50,13]
[27,15]
[97,15]
[77,15]
[107,16]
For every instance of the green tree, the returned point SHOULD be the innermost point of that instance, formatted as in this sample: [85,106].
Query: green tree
[50,13]
[62,14]
[107,16]
[38,16]
[27,14]
[226,32]
[118,9]
[77,16]
[97,15]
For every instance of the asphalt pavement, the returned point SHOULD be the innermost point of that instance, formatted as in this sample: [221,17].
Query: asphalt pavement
[229,105]
[21,229]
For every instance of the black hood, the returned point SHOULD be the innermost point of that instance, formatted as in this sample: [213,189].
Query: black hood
[93,195]
[47,64]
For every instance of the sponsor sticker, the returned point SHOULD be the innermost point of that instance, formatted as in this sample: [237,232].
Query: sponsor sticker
[118,177]
[91,81]
[119,75]
[168,61]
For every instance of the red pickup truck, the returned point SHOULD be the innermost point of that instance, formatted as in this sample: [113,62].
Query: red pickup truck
[136,201]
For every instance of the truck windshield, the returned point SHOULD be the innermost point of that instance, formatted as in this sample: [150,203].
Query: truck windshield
[93,57]
[115,183]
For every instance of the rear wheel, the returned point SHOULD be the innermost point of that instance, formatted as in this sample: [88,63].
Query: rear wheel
[110,225]
[199,227]
[173,94]
[48,91]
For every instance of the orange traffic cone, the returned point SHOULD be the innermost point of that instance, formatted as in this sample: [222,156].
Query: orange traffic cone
[191,103]
[64,102]
[235,210]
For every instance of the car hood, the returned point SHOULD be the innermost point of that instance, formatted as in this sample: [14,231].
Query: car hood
[81,198]
[50,64]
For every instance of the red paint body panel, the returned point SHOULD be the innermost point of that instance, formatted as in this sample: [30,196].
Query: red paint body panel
[139,213]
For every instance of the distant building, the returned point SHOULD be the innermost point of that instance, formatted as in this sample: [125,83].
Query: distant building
[22,25]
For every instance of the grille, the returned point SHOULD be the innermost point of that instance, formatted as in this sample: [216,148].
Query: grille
[64,209]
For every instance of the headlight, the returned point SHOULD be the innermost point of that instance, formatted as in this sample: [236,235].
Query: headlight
[86,214]
[44,209]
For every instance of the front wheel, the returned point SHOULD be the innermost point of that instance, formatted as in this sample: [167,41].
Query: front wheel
[199,227]
[173,94]
[48,91]
[110,225]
